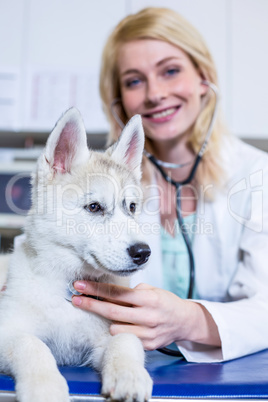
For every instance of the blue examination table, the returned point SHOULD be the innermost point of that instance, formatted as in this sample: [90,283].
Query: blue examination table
[241,379]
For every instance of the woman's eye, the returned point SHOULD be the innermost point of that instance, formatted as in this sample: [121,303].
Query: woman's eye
[172,71]
[133,82]
[93,207]
[132,207]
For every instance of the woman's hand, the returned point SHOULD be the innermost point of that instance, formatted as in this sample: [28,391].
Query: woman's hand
[156,316]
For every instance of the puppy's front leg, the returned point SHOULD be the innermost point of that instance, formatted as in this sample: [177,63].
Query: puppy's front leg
[31,362]
[123,374]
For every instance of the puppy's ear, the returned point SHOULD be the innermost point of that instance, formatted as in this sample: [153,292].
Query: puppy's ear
[129,148]
[67,144]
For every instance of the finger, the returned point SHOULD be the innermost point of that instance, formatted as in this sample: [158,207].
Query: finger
[110,311]
[118,328]
[108,291]
[143,286]
[148,339]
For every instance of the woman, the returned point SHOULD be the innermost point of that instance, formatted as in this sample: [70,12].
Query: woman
[156,64]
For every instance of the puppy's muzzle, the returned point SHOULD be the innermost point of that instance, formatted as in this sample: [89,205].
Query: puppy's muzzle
[140,253]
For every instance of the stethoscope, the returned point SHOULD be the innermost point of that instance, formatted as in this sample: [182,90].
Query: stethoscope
[159,164]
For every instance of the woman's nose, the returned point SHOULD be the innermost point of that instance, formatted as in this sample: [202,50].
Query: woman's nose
[156,92]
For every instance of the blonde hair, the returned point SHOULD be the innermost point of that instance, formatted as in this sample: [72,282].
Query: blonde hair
[166,25]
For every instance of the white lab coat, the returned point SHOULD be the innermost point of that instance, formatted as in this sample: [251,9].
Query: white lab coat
[230,250]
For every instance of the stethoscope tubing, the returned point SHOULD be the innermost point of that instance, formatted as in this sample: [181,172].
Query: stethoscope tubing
[178,186]
[187,241]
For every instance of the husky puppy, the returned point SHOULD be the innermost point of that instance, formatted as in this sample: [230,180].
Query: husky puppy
[82,225]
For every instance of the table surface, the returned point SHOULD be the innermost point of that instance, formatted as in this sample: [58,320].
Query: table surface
[244,378]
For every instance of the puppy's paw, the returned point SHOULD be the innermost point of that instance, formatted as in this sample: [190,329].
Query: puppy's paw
[43,388]
[127,382]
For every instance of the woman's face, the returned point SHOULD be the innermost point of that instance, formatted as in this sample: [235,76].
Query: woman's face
[159,82]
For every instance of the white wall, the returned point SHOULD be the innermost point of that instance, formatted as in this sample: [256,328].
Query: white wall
[50,57]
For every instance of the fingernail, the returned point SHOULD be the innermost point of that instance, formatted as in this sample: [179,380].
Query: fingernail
[79,285]
[76,300]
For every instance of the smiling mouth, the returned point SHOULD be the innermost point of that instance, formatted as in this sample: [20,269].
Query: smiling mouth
[163,113]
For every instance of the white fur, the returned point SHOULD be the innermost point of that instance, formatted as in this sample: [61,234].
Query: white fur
[65,241]
[4,260]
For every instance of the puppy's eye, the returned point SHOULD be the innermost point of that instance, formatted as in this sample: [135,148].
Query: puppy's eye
[132,207]
[93,207]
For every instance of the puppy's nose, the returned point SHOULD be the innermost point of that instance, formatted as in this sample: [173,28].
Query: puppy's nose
[140,253]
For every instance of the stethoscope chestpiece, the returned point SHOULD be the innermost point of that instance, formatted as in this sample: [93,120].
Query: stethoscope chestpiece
[71,291]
